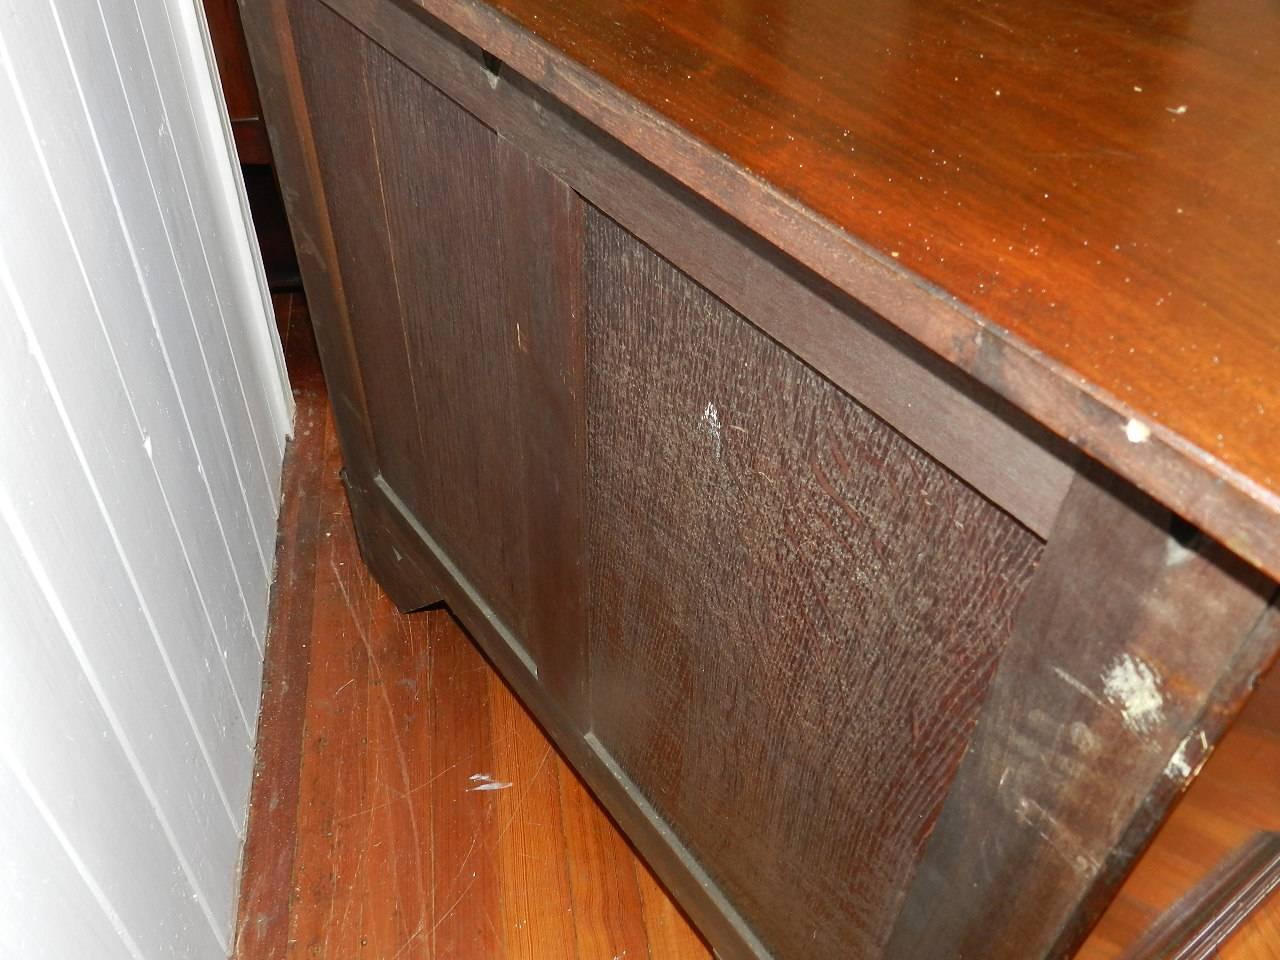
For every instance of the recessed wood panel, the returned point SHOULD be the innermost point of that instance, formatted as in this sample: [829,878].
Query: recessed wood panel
[795,613]
[462,278]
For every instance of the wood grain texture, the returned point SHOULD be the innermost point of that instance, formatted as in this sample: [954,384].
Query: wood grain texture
[333,76]
[368,835]
[270,37]
[967,427]
[768,561]
[744,496]
[482,289]
[492,299]
[1049,809]
[1052,218]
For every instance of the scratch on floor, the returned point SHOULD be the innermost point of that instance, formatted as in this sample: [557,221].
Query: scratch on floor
[391,721]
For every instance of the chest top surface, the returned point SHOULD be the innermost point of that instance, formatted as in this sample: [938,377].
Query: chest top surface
[1096,184]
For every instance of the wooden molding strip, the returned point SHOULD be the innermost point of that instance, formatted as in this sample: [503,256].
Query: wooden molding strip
[1203,919]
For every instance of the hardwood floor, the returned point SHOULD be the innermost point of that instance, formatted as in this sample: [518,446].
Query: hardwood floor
[406,806]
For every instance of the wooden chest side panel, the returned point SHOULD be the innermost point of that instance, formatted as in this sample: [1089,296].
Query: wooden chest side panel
[795,613]
[333,65]
[462,261]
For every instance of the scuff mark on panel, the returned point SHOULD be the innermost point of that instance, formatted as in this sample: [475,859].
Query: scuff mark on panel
[1076,685]
[710,425]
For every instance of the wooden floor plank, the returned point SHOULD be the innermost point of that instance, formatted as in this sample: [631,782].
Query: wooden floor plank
[468,911]
[608,909]
[669,932]
[537,906]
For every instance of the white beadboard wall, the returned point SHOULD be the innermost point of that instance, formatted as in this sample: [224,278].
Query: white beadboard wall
[143,416]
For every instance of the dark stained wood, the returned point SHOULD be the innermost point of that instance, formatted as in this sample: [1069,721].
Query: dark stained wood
[390,552]
[270,38]
[1078,241]
[253,146]
[495,302]
[279,260]
[967,427]
[795,612]
[1094,723]
[333,76]
[652,838]
[487,294]
[669,932]
[232,57]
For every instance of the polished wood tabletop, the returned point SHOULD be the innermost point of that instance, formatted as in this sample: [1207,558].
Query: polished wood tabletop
[1092,187]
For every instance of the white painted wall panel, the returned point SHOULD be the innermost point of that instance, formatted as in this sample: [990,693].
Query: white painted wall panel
[143,413]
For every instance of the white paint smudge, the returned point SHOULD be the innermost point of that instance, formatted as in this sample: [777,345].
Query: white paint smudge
[710,425]
[146,445]
[484,781]
[1137,431]
[1180,766]
[1178,110]
[1084,739]
[1175,553]
[1134,686]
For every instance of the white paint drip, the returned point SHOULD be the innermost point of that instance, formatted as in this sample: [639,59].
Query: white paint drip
[1137,431]
[711,425]
[146,445]
[1134,687]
